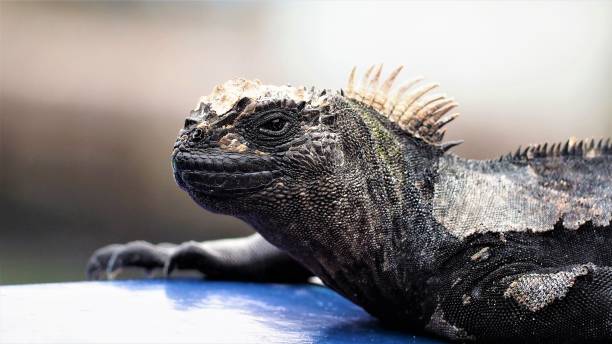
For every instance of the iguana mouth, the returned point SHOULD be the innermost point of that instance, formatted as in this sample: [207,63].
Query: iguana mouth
[214,173]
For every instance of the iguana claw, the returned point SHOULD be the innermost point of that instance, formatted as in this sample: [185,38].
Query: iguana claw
[109,260]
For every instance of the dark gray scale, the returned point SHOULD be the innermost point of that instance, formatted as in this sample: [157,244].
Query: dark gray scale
[545,287]
[357,189]
[535,246]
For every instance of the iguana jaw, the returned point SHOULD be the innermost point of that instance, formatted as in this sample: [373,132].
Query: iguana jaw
[216,173]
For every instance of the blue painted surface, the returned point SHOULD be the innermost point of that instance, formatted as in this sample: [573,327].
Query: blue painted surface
[185,311]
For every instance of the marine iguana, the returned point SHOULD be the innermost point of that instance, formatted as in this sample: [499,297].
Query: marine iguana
[357,188]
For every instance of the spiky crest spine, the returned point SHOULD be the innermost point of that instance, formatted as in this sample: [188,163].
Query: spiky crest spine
[586,148]
[410,108]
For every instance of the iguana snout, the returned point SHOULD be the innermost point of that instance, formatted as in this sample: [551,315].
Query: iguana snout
[216,172]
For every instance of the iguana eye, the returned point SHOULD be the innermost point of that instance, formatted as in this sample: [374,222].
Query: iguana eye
[274,126]
[270,129]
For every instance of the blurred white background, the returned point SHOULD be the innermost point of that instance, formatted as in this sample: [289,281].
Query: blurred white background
[92,95]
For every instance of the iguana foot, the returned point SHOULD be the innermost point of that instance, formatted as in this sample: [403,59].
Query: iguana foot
[248,259]
[109,260]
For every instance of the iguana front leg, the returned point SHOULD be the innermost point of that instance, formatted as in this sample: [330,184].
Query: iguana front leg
[251,259]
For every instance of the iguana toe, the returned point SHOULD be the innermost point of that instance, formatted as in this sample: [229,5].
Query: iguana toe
[190,255]
[96,266]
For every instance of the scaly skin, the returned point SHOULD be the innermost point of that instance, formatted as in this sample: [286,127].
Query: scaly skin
[515,249]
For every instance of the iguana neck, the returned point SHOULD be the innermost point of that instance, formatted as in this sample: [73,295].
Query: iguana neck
[375,225]
[376,199]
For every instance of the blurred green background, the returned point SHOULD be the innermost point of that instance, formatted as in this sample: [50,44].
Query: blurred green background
[93,94]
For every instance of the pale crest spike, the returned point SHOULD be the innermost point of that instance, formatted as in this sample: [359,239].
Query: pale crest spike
[418,93]
[439,109]
[445,120]
[374,82]
[430,118]
[410,107]
[426,108]
[380,97]
[405,116]
[373,86]
[443,110]
[399,111]
[390,109]
[364,83]
[387,84]
[431,100]
[421,109]
[405,104]
[350,87]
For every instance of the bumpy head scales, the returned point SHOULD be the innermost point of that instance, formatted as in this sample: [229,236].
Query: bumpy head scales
[226,96]
[410,107]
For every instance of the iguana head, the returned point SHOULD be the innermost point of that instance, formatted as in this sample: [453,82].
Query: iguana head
[286,154]
[248,144]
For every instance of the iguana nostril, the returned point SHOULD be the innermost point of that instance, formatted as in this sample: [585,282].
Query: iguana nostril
[197,134]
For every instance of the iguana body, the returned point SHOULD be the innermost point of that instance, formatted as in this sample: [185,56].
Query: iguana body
[356,188]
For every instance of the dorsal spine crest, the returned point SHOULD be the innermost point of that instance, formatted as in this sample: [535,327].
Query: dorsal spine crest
[410,108]
[587,148]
